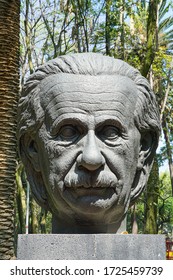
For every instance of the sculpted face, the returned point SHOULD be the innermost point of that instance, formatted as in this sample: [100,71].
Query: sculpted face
[87,149]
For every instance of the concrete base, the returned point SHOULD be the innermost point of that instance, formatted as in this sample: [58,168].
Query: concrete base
[91,247]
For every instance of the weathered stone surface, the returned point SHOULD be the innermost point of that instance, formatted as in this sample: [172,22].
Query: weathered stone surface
[91,246]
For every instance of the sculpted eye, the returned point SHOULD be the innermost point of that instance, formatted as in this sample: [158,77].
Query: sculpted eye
[68,132]
[110,132]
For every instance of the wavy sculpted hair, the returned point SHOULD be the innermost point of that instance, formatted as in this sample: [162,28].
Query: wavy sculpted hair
[31,113]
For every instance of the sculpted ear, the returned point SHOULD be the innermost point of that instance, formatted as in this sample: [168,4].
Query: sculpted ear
[31,150]
[29,155]
[147,151]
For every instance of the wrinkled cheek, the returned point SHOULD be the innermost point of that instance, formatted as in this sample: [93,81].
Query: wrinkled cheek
[128,179]
[60,161]
[131,155]
[52,150]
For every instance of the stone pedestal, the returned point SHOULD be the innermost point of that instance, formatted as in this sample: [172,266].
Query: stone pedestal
[91,247]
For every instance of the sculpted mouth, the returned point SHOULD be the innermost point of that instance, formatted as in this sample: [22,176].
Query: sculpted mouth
[101,183]
[93,190]
[90,186]
[91,199]
[91,194]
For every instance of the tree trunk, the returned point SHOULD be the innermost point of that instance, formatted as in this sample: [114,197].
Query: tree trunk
[42,221]
[20,199]
[122,55]
[134,220]
[150,226]
[152,193]
[33,228]
[151,36]
[168,149]
[107,27]
[28,39]
[9,87]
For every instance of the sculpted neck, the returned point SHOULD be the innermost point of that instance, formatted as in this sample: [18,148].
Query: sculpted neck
[63,227]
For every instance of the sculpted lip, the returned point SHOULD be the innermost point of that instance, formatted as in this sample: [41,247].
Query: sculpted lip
[90,186]
[93,190]
[90,199]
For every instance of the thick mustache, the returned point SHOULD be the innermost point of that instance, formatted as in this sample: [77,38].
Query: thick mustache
[82,179]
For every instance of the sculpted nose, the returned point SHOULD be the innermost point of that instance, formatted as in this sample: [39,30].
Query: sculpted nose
[91,157]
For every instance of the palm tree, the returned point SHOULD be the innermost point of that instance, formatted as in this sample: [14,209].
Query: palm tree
[9,87]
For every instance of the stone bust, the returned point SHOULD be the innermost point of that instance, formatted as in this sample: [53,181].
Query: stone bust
[88,130]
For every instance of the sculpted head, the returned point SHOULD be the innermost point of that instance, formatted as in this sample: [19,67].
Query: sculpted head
[88,130]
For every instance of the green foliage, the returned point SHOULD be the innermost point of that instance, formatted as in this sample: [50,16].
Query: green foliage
[39,219]
[164,208]
[161,64]
[139,212]
[165,205]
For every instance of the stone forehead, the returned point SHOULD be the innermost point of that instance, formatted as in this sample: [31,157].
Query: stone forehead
[69,83]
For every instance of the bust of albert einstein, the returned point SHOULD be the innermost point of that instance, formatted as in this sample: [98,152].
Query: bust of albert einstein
[88,130]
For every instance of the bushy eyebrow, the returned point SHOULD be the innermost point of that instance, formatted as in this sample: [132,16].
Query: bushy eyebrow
[61,121]
[109,120]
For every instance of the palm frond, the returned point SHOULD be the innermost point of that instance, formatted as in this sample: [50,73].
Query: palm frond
[164,8]
[166,24]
